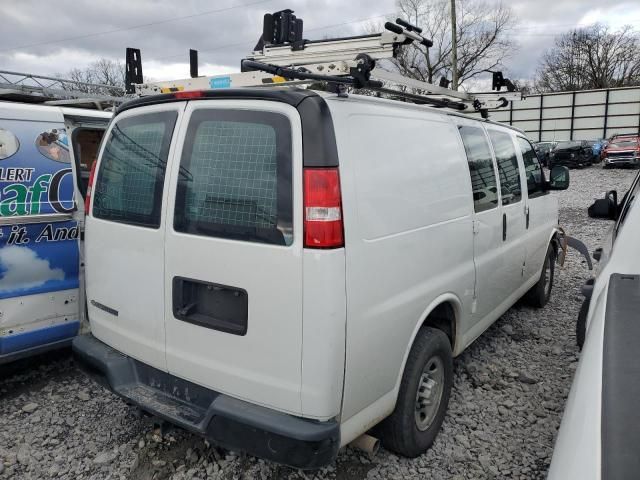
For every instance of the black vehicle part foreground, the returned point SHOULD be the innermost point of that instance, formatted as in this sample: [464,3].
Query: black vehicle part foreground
[226,421]
[621,379]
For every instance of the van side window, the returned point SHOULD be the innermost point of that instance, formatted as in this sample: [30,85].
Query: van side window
[483,177]
[131,176]
[532,169]
[508,169]
[9,144]
[54,144]
[235,177]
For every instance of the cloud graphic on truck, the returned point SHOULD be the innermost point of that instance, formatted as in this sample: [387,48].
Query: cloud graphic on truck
[22,269]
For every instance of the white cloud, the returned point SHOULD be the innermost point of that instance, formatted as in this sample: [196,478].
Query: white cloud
[24,269]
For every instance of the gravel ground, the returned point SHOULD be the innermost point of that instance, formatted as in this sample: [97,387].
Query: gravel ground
[508,396]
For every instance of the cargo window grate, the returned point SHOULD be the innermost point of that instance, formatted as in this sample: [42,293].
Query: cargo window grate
[234,172]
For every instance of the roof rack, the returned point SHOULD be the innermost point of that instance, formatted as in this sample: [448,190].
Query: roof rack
[283,57]
[30,88]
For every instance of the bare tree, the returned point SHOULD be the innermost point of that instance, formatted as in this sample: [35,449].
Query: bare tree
[592,57]
[103,72]
[482,38]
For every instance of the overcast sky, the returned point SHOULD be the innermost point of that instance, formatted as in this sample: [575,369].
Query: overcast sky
[53,37]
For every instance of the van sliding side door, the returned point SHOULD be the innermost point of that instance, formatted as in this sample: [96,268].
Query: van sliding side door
[488,224]
[513,205]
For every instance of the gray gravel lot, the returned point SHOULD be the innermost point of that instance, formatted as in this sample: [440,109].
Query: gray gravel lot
[509,391]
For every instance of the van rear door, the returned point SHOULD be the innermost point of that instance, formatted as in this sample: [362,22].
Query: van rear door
[233,271]
[85,132]
[124,240]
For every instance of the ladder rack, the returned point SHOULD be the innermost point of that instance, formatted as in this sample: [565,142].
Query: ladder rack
[30,88]
[283,57]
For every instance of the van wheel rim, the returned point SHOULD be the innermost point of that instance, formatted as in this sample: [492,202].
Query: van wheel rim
[429,394]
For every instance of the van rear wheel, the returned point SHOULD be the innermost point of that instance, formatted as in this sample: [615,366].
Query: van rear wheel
[423,396]
[540,293]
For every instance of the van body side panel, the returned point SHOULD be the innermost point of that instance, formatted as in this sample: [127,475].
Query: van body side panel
[407,212]
[125,261]
[38,236]
[324,314]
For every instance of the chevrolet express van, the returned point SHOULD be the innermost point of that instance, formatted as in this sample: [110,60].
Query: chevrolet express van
[45,157]
[282,270]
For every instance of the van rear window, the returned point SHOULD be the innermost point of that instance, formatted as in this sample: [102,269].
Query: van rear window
[235,177]
[131,176]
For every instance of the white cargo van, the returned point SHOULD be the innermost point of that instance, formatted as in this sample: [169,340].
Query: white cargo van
[282,270]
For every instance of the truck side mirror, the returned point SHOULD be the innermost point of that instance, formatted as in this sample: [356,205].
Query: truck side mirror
[606,207]
[559,178]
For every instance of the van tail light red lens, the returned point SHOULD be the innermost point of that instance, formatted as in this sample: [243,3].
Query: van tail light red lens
[323,226]
[87,198]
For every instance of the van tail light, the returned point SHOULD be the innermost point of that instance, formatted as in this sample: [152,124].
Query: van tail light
[87,198]
[323,227]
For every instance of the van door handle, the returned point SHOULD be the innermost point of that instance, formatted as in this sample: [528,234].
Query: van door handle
[504,227]
[526,210]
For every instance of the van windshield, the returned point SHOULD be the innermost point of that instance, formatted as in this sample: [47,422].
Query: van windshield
[235,179]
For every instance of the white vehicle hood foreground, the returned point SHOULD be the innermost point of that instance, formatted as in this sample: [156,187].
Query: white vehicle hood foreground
[600,430]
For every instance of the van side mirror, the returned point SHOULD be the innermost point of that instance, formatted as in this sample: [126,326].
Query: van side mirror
[559,178]
[606,207]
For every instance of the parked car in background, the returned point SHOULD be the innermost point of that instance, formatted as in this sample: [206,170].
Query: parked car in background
[232,241]
[45,156]
[600,433]
[596,148]
[543,149]
[622,151]
[572,154]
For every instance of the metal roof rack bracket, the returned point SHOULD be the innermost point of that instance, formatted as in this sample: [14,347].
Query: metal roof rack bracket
[283,57]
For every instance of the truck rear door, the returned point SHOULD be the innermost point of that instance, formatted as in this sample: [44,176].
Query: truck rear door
[233,257]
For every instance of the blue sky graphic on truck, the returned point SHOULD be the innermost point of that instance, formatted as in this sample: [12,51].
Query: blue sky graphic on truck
[35,179]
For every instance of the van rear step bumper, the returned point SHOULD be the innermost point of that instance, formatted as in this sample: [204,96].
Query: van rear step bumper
[226,421]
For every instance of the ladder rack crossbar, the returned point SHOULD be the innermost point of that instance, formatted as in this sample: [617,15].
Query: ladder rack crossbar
[54,80]
[45,89]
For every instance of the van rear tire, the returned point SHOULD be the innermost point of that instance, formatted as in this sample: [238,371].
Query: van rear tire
[540,293]
[423,397]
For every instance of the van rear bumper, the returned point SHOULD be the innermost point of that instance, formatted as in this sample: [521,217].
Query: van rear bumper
[226,421]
